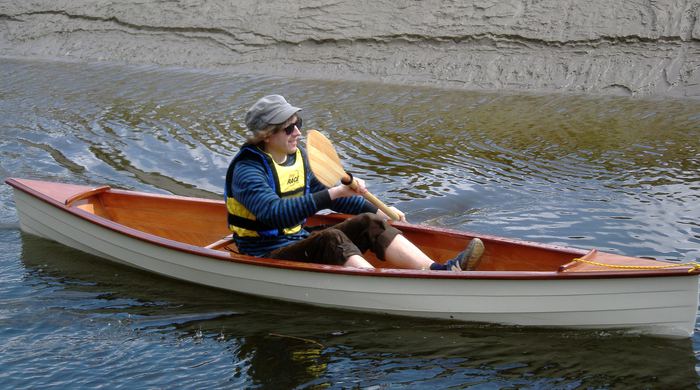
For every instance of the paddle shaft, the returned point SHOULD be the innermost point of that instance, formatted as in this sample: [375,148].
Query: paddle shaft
[349,181]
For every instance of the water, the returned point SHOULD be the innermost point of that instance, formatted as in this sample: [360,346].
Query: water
[617,174]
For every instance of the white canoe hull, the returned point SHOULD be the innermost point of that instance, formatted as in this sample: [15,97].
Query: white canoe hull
[665,306]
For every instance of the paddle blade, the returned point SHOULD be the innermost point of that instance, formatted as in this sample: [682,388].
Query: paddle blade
[323,159]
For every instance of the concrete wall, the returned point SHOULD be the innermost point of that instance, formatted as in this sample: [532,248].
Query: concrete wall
[639,48]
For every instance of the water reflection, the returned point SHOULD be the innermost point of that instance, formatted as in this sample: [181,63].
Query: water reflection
[279,361]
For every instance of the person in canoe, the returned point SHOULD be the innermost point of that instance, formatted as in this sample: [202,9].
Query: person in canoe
[270,191]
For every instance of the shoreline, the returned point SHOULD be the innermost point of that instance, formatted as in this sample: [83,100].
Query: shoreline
[599,49]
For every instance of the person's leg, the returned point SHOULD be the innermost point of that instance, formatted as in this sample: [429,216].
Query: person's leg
[358,262]
[369,232]
[329,246]
[344,243]
[372,232]
[402,253]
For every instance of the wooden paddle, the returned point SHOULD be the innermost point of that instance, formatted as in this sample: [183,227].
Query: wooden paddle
[326,165]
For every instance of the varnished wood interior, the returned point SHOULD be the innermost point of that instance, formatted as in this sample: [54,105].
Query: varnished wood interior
[204,224]
[195,223]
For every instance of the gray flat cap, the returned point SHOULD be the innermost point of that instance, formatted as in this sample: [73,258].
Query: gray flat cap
[269,110]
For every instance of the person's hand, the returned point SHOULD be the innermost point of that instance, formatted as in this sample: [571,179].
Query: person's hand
[360,187]
[399,213]
[343,191]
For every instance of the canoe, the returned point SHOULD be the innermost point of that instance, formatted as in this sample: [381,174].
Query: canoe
[517,282]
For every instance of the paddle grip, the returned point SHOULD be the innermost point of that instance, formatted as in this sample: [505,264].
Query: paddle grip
[349,181]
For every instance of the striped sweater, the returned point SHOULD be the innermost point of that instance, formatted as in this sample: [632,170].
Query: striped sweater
[251,187]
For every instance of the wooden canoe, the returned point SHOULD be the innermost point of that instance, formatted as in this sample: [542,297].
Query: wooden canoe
[517,283]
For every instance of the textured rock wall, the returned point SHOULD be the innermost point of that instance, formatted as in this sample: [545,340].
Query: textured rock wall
[638,48]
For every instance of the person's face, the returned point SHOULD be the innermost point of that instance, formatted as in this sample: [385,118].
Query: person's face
[284,140]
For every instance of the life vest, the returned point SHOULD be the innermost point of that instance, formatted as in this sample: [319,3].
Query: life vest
[287,181]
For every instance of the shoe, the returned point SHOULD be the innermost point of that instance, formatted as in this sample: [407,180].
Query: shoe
[468,259]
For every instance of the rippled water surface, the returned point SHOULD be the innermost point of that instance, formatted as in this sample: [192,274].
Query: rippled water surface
[616,174]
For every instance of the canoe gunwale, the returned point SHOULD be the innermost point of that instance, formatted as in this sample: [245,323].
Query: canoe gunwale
[67,206]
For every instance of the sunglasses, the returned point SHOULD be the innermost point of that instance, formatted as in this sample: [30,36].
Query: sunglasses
[290,129]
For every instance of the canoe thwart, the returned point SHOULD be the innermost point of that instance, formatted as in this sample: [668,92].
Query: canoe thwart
[86,194]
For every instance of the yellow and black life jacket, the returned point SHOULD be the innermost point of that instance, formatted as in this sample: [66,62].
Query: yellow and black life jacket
[287,181]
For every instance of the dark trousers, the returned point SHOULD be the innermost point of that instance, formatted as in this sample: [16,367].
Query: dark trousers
[335,244]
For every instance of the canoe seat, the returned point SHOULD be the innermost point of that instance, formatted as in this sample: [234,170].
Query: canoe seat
[225,243]
[86,194]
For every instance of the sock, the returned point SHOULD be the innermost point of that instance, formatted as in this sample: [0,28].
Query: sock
[438,267]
